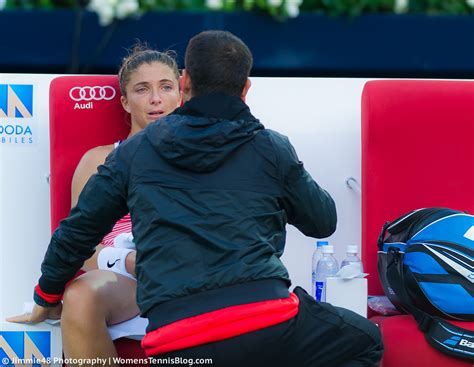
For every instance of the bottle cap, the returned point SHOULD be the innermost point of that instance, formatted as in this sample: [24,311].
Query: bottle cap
[321,243]
[328,249]
[352,249]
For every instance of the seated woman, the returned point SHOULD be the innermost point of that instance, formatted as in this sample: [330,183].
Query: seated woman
[149,82]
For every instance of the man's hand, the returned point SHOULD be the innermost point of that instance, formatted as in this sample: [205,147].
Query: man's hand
[38,314]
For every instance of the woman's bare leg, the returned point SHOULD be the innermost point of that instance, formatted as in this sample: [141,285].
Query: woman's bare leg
[94,300]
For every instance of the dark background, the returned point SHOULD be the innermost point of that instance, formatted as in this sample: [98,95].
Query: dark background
[67,41]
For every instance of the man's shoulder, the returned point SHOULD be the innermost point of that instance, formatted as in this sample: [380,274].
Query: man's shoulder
[123,156]
[277,139]
[131,144]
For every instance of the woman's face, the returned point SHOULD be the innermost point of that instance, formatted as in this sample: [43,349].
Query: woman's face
[152,92]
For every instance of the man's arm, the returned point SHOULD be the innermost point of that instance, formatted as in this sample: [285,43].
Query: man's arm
[101,203]
[308,207]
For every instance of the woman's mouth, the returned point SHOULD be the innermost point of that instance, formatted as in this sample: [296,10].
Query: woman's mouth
[155,115]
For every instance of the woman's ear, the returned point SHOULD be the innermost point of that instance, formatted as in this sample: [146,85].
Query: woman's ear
[125,105]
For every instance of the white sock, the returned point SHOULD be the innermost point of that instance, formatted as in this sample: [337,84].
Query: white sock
[113,259]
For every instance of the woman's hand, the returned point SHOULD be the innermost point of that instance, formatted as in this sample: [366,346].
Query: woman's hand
[38,314]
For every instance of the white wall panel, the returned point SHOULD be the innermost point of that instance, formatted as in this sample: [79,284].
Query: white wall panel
[320,116]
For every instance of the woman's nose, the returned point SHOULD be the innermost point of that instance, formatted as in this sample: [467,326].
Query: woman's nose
[155,97]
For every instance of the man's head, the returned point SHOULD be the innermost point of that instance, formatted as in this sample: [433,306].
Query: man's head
[216,62]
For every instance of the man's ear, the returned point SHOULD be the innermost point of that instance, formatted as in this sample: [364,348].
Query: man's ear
[181,98]
[124,102]
[186,86]
[247,86]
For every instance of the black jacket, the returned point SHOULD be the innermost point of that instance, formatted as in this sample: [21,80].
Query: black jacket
[210,191]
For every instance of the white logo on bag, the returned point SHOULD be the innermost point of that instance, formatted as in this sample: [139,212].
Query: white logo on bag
[466,343]
[469,234]
[96,93]
[464,271]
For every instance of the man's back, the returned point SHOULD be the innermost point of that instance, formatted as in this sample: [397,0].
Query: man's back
[210,191]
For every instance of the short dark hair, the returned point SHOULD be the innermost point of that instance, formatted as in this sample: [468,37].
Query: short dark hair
[217,62]
[139,55]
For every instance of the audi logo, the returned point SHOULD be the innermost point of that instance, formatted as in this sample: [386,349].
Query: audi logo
[95,93]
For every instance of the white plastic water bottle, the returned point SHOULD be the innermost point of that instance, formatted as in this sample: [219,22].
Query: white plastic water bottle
[327,267]
[352,258]
[317,255]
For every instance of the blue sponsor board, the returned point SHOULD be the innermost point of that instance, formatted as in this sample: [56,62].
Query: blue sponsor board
[31,348]
[16,102]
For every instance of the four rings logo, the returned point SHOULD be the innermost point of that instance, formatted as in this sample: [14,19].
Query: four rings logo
[92,93]
[87,95]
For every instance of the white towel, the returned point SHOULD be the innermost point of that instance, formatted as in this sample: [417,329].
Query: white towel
[134,328]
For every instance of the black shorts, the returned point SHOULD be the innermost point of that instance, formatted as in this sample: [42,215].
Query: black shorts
[320,335]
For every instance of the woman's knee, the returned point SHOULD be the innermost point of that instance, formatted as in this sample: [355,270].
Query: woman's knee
[101,295]
[81,302]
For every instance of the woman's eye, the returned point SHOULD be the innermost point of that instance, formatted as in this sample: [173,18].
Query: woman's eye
[141,90]
[167,88]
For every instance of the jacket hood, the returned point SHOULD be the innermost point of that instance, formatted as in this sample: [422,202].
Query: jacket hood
[201,135]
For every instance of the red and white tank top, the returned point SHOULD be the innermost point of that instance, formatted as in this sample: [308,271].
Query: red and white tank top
[123,225]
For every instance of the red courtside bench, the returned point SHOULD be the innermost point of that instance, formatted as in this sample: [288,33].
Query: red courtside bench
[417,151]
[85,112]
